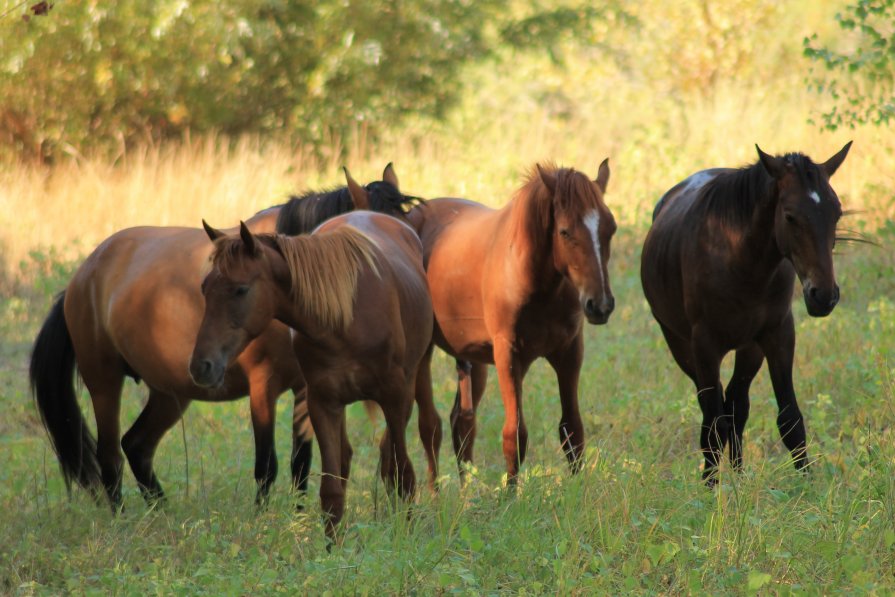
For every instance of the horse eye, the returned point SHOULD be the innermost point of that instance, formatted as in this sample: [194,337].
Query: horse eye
[790,219]
[564,232]
[241,290]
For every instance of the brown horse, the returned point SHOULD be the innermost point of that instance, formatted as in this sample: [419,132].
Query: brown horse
[511,285]
[718,268]
[133,309]
[354,293]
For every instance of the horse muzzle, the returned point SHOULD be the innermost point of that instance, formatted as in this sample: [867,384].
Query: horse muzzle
[598,313]
[206,373]
[820,301]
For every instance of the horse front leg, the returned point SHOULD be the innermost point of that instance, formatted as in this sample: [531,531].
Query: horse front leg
[510,371]
[327,421]
[567,365]
[736,404]
[715,426]
[263,392]
[779,347]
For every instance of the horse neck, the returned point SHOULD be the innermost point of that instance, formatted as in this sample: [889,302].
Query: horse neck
[531,239]
[759,242]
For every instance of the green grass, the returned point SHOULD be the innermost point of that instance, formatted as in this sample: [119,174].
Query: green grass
[636,519]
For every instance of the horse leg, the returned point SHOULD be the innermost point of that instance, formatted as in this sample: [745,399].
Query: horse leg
[427,417]
[567,365]
[396,468]
[715,426]
[779,346]
[736,405]
[471,380]
[105,394]
[510,371]
[327,421]
[302,438]
[346,451]
[162,411]
[263,394]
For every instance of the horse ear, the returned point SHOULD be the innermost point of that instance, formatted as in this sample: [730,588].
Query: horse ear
[212,233]
[548,178]
[603,175]
[389,176]
[832,164]
[358,193]
[246,235]
[774,165]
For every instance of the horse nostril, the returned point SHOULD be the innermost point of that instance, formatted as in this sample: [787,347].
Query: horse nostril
[589,306]
[812,292]
[610,305]
[835,300]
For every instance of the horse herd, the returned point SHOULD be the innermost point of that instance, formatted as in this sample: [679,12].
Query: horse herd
[340,308]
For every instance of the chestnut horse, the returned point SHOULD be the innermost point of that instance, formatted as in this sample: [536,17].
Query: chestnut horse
[718,268]
[133,309]
[514,284]
[354,293]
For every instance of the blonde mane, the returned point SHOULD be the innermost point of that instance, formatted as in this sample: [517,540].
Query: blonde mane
[324,269]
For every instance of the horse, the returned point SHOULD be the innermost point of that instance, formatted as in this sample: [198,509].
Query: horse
[718,269]
[133,309]
[511,285]
[354,293]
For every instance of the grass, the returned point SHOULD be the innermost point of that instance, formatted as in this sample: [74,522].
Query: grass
[637,519]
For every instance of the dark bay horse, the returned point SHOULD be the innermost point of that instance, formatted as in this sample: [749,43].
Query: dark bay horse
[354,293]
[133,309]
[514,284]
[718,268]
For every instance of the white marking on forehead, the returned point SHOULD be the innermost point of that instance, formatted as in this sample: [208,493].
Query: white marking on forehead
[814,196]
[591,221]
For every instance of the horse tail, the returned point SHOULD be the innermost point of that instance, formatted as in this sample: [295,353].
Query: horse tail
[52,373]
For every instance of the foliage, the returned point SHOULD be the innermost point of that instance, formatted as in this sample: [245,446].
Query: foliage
[859,75]
[93,72]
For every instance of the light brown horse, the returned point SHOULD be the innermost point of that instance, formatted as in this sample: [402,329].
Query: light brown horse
[133,309]
[514,284]
[354,293]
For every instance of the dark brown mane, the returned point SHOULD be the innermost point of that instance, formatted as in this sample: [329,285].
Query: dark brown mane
[732,196]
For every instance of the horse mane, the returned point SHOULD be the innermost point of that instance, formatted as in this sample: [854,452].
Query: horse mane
[303,213]
[733,196]
[324,270]
[538,201]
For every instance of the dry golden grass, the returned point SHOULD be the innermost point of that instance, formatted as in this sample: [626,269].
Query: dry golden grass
[74,205]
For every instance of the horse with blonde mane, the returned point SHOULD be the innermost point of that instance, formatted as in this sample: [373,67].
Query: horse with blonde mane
[354,293]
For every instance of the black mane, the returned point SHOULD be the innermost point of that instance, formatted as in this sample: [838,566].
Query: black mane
[733,196]
[301,214]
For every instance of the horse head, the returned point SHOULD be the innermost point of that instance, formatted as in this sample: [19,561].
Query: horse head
[582,231]
[806,214]
[239,304]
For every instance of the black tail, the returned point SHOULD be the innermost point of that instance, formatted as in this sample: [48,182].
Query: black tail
[52,385]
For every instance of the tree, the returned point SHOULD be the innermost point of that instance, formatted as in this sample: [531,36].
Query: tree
[858,78]
[93,73]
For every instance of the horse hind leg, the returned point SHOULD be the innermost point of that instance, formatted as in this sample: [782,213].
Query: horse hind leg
[161,413]
[302,440]
[429,422]
[471,380]
[736,403]
[105,395]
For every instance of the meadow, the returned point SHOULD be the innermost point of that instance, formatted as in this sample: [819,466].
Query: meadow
[636,519]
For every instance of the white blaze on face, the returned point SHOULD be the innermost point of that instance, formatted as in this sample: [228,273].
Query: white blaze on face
[592,223]
[814,196]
